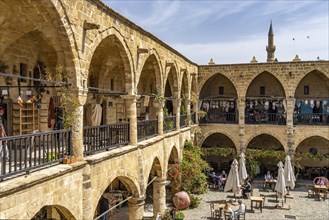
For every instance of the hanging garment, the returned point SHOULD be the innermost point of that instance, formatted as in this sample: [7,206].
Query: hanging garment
[96,114]
[146,100]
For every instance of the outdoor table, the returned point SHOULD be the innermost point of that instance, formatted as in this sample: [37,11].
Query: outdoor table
[320,189]
[257,200]
[268,182]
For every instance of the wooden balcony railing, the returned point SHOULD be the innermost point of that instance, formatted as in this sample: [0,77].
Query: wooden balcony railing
[183,121]
[311,119]
[220,118]
[24,153]
[98,138]
[147,129]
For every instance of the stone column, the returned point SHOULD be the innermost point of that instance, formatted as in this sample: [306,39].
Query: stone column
[241,103]
[136,208]
[177,103]
[160,118]
[290,125]
[159,196]
[77,127]
[188,112]
[131,116]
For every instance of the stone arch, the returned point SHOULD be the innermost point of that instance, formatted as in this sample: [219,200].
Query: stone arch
[317,142]
[194,84]
[218,131]
[306,136]
[127,178]
[184,83]
[213,80]
[174,155]
[313,79]
[202,82]
[124,51]
[154,61]
[171,89]
[275,136]
[50,19]
[264,79]
[56,211]
[156,169]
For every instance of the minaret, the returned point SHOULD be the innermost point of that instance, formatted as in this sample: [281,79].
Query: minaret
[270,47]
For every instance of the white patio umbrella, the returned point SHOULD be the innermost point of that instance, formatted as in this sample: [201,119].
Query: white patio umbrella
[289,173]
[233,182]
[280,186]
[242,168]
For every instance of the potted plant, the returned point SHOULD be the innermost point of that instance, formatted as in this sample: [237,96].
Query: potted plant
[158,100]
[179,215]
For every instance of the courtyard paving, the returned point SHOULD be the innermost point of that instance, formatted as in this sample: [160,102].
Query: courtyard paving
[301,206]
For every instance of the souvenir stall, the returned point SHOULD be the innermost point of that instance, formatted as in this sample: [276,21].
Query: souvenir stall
[311,111]
[219,110]
[260,110]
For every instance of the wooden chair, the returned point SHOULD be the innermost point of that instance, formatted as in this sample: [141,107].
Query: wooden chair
[228,216]
[212,210]
[310,193]
[242,216]
[264,198]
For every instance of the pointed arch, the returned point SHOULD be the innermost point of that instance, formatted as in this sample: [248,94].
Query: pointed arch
[126,177]
[268,137]
[317,82]
[272,84]
[114,36]
[47,17]
[211,86]
[59,210]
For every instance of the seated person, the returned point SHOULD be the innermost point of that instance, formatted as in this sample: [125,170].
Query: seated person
[268,176]
[246,188]
[227,209]
[320,182]
[240,211]
[223,177]
[220,183]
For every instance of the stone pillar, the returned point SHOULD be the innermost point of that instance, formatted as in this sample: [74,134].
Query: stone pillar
[241,103]
[136,208]
[87,198]
[290,125]
[131,115]
[160,118]
[77,127]
[177,103]
[188,112]
[159,196]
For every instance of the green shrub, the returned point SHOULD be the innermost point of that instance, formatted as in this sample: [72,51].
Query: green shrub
[195,201]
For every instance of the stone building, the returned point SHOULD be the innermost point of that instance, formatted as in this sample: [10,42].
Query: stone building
[61,58]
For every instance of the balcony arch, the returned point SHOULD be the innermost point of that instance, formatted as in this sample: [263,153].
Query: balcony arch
[265,100]
[171,89]
[53,212]
[313,145]
[218,97]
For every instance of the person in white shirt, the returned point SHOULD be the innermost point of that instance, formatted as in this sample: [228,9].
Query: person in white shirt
[241,210]
[227,209]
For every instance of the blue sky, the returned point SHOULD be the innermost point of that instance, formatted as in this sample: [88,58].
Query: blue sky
[234,31]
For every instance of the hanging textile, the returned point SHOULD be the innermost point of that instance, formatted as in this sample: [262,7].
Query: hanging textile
[146,100]
[94,115]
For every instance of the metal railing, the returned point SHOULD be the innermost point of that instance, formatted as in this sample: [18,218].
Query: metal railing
[147,129]
[169,124]
[220,118]
[98,138]
[265,118]
[183,121]
[311,119]
[29,152]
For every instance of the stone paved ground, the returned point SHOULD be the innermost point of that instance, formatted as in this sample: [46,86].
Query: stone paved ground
[301,207]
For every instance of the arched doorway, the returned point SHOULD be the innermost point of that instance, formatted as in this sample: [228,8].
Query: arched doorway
[218,99]
[312,155]
[155,191]
[53,212]
[312,100]
[265,151]
[265,101]
[219,152]
[31,45]
[118,191]
[108,71]
[149,88]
